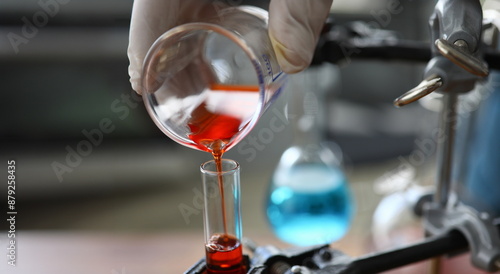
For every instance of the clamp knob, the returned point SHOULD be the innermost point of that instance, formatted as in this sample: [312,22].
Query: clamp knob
[427,86]
[459,54]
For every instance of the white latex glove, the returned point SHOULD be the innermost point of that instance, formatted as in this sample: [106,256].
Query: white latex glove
[294,27]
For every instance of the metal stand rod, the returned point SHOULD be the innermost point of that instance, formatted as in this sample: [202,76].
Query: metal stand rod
[447,123]
[335,51]
[445,142]
[431,247]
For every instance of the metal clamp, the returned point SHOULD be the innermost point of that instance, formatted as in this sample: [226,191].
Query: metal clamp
[455,68]
[424,88]
[458,54]
[480,229]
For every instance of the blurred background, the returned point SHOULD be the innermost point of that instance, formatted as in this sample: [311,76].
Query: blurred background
[90,161]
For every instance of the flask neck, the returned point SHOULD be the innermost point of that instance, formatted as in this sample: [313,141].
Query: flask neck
[308,128]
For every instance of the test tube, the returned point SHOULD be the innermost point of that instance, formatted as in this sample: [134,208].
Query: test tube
[222,219]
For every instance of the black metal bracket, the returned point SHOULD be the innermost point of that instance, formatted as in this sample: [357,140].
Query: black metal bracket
[323,259]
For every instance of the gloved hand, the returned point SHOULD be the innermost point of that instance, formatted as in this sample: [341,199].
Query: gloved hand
[294,27]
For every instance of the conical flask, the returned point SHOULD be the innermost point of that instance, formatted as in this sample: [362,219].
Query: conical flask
[309,201]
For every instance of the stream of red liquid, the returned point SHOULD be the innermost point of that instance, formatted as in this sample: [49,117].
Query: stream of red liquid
[211,132]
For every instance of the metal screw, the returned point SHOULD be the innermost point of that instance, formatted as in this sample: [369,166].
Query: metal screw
[461,44]
[279,267]
[325,254]
[297,269]
[484,215]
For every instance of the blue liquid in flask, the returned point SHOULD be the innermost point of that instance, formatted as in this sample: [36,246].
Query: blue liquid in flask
[309,204]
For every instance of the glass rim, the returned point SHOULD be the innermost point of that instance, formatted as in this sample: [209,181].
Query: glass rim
[206,27]
[233,169]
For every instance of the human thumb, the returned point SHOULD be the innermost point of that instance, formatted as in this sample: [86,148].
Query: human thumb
[294,29]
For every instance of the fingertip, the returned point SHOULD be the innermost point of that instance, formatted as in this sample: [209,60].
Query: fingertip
[294,29]
[135,70]
[290,60]
[135,86]
[135,79]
